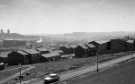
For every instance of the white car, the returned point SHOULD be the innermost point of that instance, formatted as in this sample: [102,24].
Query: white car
[51,78]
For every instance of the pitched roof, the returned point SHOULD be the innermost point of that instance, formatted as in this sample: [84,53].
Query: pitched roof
[22,52]
[102,41]
[91,46]
[130,41]
[42,49]
[52,54]
[83,46]
[73,46]
[94,43]
[57,51]
[68,55]
[66,46]
[31,51]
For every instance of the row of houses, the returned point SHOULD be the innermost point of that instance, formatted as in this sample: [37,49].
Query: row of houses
[30,56]
[104,47]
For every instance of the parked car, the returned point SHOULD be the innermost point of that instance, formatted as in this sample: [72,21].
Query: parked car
[51,78]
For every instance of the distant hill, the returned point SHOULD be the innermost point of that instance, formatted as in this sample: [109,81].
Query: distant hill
[70,37]
[85,37]
[17,36]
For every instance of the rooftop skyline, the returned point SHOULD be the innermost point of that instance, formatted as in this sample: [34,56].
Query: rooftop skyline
[66,16]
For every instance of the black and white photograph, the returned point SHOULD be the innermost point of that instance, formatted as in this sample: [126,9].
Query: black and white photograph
[67,41]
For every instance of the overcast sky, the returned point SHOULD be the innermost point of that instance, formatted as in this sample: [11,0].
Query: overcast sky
[64,16]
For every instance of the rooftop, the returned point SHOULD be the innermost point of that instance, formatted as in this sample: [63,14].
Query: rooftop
[22,52]
[91,46]
[4,54]
[102,41]
[31,51]
[83,46]
[42,49]
[130,41]
[52,54]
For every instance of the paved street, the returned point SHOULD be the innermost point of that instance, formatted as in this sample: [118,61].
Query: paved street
[72,74]
[122,74]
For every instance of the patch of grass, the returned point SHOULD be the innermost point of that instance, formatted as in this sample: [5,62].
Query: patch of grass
[5,74]
[67,64]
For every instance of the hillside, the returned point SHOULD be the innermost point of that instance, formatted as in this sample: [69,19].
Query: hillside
[70,37]
[17,36]
[85,37]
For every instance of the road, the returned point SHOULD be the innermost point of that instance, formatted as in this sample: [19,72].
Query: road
[17,74]
[6,70]
[84,70]
[122,74]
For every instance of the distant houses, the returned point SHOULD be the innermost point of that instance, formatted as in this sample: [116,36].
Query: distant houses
[18,57]
[25,56]
[4,56]
[67,49]
[34,55]
[1,59]
[104,47]
[113,46]
[42,50]
[30,56]
[37,55]
[81,50]
[92,49]
[68,56]
[130,45]
[7,43]
[53,56]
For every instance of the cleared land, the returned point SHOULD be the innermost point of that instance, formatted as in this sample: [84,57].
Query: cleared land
[70,64]
[65,65]
[122,74]
[5,74]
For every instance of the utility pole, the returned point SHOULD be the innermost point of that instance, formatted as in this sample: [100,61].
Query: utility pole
[20,70]
[97,61]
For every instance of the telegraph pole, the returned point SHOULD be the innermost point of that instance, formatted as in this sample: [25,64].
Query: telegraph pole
[97,59]
[97,62]
[20,70]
